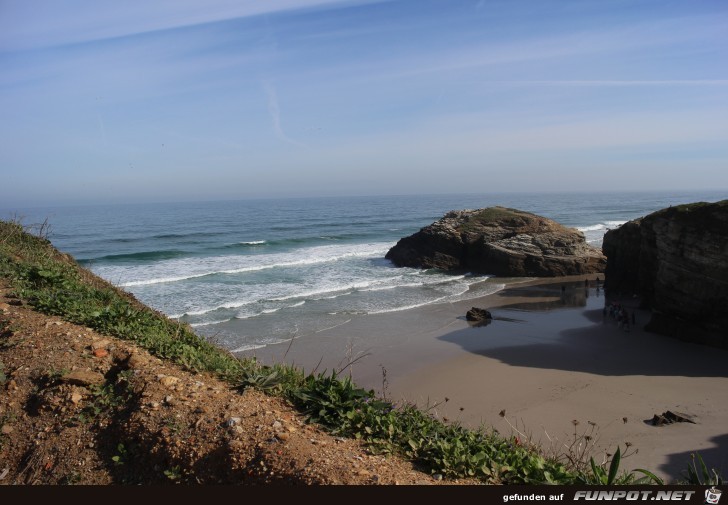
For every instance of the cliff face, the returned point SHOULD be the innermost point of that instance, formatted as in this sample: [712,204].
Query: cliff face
[499,241]
[676,259]
[622,249]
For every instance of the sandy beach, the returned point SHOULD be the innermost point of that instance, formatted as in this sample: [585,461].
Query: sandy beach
[551,360]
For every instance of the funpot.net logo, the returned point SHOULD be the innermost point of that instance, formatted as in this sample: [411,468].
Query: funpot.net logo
[650,495]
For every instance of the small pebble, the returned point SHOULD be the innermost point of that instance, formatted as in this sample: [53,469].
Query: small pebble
[101,353]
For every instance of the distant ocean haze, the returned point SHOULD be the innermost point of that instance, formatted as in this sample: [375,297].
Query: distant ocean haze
[255,272]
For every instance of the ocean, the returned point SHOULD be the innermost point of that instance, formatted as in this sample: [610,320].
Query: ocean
[255,272]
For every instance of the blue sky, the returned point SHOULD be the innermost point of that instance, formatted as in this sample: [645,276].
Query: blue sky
[173,100]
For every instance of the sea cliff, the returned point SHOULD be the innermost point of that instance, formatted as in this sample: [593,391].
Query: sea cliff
[676,260]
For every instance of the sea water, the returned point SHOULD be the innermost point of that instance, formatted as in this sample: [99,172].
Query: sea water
[255,272]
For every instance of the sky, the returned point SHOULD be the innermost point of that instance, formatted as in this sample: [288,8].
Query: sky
[104,101]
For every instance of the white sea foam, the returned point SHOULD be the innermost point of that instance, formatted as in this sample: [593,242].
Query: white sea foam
[203,311]
[332,297]
[159,280]
[409,307]
[248,347]
[210,323]
[183,269]
[594,234]
[393,286]
[334,326]
[307,296]
[435,281]
[594,227]
[442,279]
[324,290]
[433,287]
[601,226]
[479,291]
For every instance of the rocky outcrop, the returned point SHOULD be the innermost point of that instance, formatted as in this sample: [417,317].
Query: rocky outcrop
[676,260]
[499,241]
[478,315]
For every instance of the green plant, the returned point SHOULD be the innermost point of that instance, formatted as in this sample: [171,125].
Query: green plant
[51,378]
[174,473]
[577,450]
[264,378]
[697,473]
[173,425]
[648,478]
[6,331]
[105,398]
[450,450]
[600,476]
[121,456]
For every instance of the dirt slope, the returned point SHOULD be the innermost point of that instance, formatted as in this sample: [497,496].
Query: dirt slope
[77,407]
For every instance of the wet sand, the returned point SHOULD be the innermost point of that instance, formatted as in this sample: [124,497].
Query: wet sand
[548,359]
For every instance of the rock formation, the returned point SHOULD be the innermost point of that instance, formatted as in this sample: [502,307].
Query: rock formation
[499,241]
[670,417]
[478,315]
[676,260]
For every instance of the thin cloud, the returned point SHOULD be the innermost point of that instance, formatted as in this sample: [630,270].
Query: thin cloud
[47,23]
[274,111]
[679,82]
[604,41]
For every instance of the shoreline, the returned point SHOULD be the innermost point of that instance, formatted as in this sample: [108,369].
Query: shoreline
[547,359]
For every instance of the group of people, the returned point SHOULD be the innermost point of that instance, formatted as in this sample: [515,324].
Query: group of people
[617,311]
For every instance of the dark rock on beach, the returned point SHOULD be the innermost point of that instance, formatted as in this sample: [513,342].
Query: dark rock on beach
[676,260]
[499,241]
[670,417]
[478,315]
